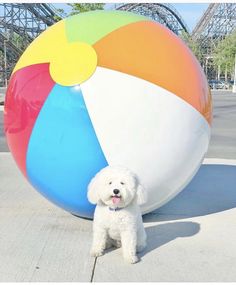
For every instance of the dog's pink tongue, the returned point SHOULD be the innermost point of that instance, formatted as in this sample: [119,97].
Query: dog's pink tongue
[115,200]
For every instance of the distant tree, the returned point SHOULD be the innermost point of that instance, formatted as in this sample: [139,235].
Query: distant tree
[193,45]
[85,7]
[19,41]
[224,55]
[59,12]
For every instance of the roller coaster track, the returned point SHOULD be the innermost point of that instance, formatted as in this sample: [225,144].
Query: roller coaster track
[165,14]
[218,21]
[13,53]
[44,12]
[20,23]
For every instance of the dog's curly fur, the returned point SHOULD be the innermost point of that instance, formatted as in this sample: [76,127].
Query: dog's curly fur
[118,223]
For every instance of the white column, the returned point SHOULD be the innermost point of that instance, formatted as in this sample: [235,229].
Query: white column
[234,86]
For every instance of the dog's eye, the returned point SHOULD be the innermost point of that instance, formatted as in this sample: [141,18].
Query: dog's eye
[110,183]
[122,183]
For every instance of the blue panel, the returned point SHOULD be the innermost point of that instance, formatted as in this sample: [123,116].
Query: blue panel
[64,152]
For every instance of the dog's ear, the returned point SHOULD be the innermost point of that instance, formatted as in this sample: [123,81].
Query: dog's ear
[141,195]
[93,195]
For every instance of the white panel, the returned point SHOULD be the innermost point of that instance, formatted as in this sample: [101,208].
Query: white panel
[148,129]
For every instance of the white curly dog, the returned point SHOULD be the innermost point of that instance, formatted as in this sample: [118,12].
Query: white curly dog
[117,218]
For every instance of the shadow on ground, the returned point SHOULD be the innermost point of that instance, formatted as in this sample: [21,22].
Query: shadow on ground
[212,190]
[164,233]
[159,235]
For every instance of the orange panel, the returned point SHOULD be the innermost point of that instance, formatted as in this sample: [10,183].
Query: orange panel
[150,51]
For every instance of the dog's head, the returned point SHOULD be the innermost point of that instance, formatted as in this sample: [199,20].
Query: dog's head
[116,187]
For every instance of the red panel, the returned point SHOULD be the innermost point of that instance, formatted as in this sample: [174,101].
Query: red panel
[26,94]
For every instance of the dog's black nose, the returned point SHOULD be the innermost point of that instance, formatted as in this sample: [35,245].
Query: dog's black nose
[116,191]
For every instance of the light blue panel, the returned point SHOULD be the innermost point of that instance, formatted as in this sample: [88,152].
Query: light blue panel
[64,152]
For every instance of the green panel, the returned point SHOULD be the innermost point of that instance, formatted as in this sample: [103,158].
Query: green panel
[90,27]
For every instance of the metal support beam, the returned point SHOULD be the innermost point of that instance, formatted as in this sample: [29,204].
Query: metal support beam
[162,13]
[20,23]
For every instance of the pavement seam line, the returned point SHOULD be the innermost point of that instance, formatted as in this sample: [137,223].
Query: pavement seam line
[42,252]
[93,270]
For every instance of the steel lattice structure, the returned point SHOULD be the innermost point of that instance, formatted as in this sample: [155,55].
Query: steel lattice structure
[162,13]
[19,25]
[217,22]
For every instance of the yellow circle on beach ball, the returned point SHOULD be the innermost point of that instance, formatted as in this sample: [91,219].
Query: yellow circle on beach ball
[73,63]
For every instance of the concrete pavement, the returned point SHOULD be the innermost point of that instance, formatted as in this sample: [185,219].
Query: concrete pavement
[192,238]
[223,136]
[38,241]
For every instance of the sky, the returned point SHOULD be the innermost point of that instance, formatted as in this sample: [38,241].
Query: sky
[190,12]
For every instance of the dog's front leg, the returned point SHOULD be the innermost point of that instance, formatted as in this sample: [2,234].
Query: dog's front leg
[99,241]
[129,243]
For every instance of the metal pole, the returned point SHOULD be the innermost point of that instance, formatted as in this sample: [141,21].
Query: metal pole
[206,67]
[234,86]
[5,62]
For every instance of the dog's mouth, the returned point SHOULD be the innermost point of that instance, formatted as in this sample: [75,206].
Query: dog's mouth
[116,199]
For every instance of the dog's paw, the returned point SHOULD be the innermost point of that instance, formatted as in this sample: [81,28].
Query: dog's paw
[96,253]
[131,259]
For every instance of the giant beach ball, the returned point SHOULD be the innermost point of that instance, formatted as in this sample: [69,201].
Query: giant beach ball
[107,88]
